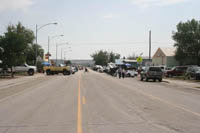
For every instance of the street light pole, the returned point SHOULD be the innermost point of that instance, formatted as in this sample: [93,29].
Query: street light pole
[64,52]
[48,48]
[57,49]
[36,38]
[49,42]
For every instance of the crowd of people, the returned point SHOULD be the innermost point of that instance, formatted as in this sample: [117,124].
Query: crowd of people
[121,72]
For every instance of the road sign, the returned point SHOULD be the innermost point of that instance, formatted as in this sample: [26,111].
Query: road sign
[139,59]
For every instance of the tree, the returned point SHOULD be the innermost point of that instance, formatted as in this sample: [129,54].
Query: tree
[15,43]
[68,62]
[103,57]
[30,53]
[113,57]
[132,57]
[100,57]
[187,42]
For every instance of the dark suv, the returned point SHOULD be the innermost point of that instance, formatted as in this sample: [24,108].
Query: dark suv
[176,71]
[193,72]
[151,73]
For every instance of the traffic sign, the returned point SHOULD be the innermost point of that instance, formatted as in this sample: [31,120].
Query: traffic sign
[139,59]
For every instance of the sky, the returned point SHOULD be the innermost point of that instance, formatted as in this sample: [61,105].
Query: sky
[121,26]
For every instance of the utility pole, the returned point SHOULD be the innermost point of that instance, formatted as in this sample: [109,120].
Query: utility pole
[48,49]
[149,45]
[36,46]
[56,54]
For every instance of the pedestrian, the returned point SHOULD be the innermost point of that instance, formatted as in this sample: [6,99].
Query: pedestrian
[120,72]
[123,73]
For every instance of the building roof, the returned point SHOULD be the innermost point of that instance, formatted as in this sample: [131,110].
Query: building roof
[168,51]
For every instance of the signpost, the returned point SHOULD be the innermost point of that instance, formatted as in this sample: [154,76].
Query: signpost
[139,59]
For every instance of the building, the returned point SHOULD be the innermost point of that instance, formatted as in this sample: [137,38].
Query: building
[83,62]
[120,62]
[165,57]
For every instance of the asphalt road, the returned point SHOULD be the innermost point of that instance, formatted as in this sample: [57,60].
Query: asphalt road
[97,103]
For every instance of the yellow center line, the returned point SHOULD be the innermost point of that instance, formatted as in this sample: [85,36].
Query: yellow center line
[79,118]
[84,100]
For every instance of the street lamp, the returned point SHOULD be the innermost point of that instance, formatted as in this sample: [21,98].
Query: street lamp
[49,42]
[62,51]
[65,53]
[57,49]
[37,29]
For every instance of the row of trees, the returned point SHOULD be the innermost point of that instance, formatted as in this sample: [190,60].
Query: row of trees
[18,47]
[103,57]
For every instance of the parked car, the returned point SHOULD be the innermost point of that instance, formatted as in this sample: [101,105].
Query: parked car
[74,69]
[176,71]
[25,68]
[97,67]
[131,73]
[151,73]
[193,72]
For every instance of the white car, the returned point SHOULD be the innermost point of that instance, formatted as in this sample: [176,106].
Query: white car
[131,73]
[25,68]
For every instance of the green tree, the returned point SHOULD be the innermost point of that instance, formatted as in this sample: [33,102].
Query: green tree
[187,42]
[103,57]
[113,57]
[68,62]
[31,53]
[132,57]
[15,42]
[100,57]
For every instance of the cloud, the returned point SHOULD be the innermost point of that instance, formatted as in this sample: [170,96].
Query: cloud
[7,5]
[148,3]
[110,16]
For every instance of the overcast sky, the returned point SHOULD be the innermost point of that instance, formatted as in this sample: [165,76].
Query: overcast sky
[121,26]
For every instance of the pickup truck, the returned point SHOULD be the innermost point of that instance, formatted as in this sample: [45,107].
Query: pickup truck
[51,70]
[22,68]
[176,71]
[25,68]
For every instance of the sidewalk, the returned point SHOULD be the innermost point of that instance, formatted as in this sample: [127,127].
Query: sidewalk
[180,83]
[184,83]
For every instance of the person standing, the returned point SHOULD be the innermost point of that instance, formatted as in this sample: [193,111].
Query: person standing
[120,72]
[123,73]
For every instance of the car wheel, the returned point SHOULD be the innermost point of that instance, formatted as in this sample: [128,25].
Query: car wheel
[30,72]
[154,80]
[141,78]
[128,75]
[160,80]
[48,72]
[170,75]
[64,72]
